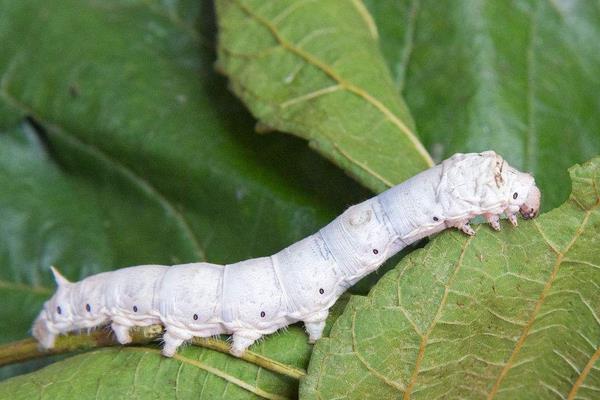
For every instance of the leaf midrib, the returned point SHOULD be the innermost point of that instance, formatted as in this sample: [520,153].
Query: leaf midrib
[425,337]
[547,287]
[345,85]
[583,375]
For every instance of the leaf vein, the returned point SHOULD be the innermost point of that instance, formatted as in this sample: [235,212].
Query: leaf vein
[311,95]
[531,140]
[436,318]
[363,361]
[408,45]
[328,70]
[537,308]
[367,17]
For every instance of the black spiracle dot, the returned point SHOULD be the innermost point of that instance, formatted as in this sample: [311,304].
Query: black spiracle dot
[375,251]
[88,308]
[58,310]
[135,309]
[436,219]
[195,317]
[321,291]
[262,314]
[515,195]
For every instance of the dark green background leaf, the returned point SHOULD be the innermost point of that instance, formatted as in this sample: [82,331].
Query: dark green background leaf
[520,77]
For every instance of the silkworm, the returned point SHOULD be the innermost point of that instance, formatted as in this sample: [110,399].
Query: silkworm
[256,297]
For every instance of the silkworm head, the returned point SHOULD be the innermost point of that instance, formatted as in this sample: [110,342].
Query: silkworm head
[524,195]
[531,207]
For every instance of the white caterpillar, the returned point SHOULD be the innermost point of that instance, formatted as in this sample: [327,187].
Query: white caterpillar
[300,283]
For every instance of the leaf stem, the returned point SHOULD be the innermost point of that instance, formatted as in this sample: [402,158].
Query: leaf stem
[28,349]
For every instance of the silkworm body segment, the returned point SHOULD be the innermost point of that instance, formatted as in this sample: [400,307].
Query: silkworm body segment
[256,297]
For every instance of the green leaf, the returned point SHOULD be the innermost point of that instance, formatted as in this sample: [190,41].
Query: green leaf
[133,153]
[518,77]
[313,69]
[131,372]
[510,314]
